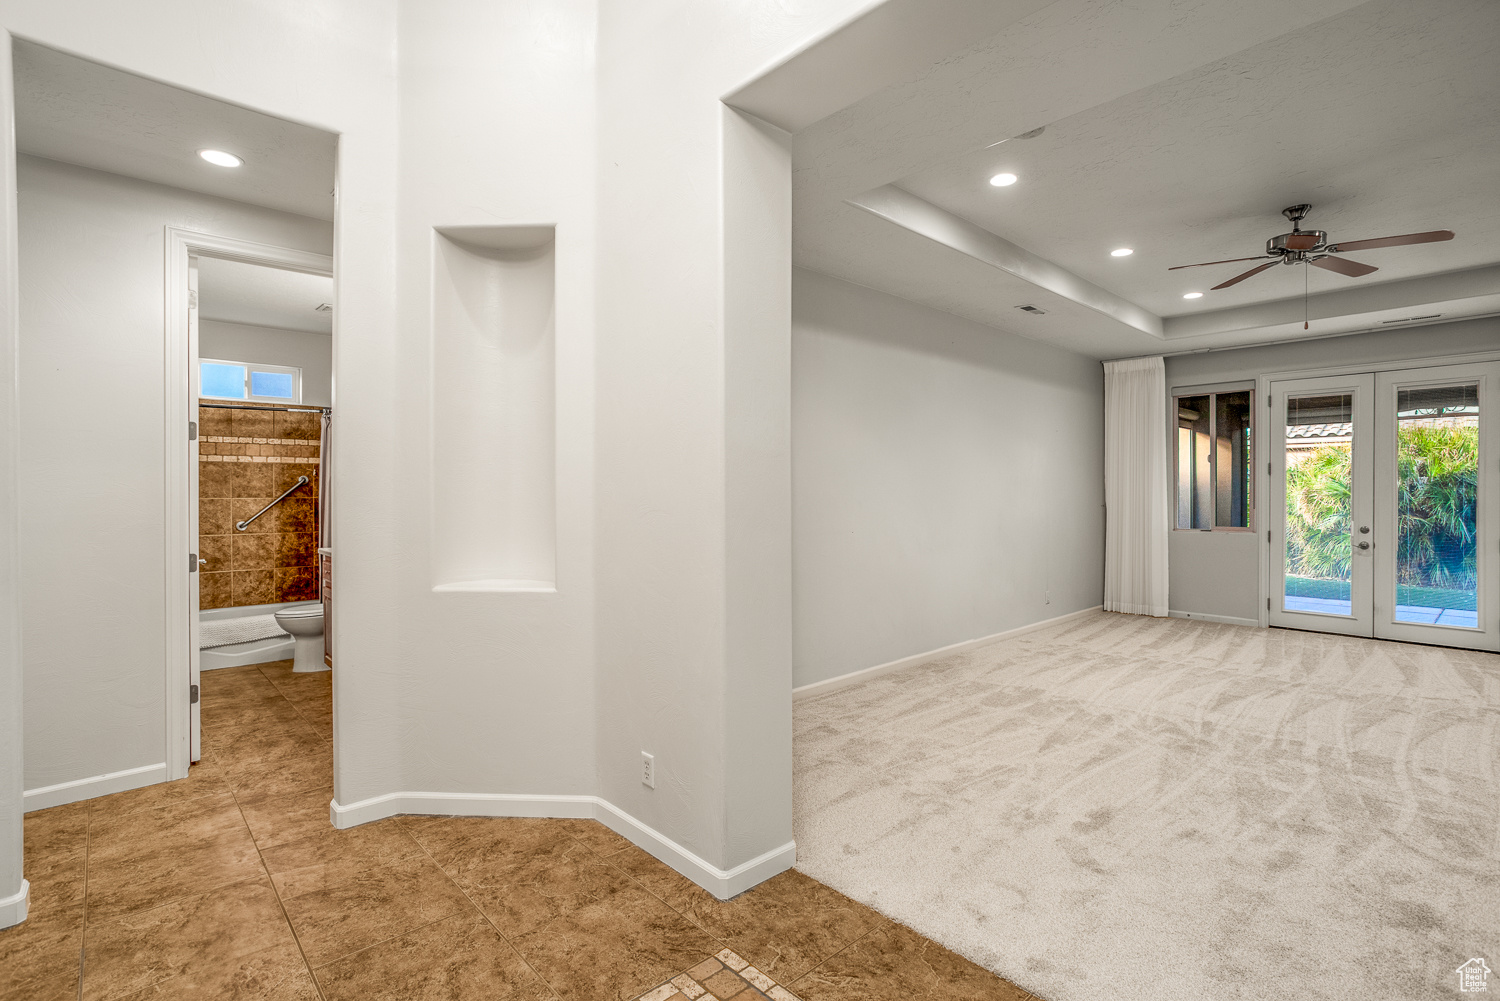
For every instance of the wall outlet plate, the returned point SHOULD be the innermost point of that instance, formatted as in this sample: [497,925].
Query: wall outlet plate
[648,770]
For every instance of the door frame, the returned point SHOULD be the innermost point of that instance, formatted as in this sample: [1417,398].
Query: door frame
[1262,450]
[181,362]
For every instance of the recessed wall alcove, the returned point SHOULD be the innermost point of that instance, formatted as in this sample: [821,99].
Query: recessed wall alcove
[494,409]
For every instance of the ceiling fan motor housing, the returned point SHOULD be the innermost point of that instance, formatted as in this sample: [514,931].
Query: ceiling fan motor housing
[1298,242]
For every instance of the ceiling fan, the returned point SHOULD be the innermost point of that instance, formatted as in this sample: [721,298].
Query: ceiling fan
[1311,246]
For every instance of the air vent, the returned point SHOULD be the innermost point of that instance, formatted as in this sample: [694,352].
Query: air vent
[1032,309]
[1414,319]
[323,307]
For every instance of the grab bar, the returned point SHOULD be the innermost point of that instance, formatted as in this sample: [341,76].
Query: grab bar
[242,525]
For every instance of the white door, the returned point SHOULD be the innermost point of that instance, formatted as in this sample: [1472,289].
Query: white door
[1437,506]
[195,736]
[1322,521]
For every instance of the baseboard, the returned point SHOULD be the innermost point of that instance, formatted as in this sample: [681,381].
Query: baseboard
[14,907]
[865,674]
[94,785]
[722,883]
[1228,620]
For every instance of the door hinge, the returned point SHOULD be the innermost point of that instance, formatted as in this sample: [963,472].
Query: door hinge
[192,562]
[192,695]
[192,298]
[1268,536]
[1268,604]
[192,430]
[1268,469]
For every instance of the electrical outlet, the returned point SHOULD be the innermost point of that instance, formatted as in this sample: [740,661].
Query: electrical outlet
[648,770]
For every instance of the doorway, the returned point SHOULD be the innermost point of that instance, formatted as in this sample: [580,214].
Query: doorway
[1385,505]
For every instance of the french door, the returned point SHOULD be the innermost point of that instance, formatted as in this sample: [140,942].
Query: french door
[1385,501]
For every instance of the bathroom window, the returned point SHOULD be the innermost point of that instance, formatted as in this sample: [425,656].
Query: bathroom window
[237,380]
[1213,439]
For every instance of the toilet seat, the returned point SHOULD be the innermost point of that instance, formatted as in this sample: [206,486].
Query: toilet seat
[300,613]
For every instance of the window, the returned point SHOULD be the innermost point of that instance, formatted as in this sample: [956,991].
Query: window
[1213,460]
[237,380]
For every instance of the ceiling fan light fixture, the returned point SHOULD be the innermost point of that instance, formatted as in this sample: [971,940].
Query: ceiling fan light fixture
[1192,295]
[1003,180]
[1122,252]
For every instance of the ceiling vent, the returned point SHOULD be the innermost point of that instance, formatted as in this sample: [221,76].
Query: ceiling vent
[1032,309]
[1414,319]
[323,307]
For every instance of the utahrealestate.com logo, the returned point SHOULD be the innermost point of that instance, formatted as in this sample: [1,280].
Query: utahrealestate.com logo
[1474,976]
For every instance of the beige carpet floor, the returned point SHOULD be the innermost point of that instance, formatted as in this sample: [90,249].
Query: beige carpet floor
[1129,808]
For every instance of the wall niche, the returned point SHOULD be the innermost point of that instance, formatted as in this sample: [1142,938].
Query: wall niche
[494,364]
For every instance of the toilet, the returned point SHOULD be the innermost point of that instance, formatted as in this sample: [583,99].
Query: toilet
[306,627]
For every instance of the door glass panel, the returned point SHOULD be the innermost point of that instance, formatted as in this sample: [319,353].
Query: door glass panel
[1195,495]
[1437,501]
[1319,454]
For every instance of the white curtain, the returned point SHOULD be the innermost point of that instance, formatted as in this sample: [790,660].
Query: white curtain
[1136,506]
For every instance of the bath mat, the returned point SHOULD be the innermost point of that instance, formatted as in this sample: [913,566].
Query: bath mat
[247,628]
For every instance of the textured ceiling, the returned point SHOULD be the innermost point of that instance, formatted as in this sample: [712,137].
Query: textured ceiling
[1179,129]
[265,297]
[80,112]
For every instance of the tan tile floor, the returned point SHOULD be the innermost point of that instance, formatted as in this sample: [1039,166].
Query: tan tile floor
[232,885]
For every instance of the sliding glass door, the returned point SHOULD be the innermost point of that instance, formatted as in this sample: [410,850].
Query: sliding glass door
[1387,505]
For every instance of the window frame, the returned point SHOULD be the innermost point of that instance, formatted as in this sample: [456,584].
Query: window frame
[1213,392]
[251,367]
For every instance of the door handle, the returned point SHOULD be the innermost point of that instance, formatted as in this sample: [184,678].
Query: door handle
[1364,545]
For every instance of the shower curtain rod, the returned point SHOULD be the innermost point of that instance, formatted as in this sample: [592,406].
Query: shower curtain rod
[248,406]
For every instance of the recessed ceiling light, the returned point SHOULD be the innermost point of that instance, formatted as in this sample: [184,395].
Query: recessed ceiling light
[1192,295]
[219,158]
[1003,180]
[1122,252]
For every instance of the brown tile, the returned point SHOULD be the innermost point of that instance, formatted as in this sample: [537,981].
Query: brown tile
[58,830]
[191,936]
[116,834]
[329,857]
[297,512]
[254,551]
[57,879]
[894,963]
[283,817]
[296,584]
[595,836]
[252,587]
[215,478]
[39,956]
[296,549]
[203,779]
[253,479]
[462,845]
[299,688]
[457,957]
[214,421]
[215,590]
[371,906]
[589,931]
[295,425]
[216,549]
[276,764]
[784,927]
[252,423]
[213,516]
[725,984]
[705,969]
[244,508]
[275,974]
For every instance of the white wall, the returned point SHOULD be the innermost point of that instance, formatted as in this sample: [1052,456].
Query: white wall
[946,476]
[92,460]
[311,352]
[1218,573]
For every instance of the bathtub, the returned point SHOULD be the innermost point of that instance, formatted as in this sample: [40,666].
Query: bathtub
[254,652]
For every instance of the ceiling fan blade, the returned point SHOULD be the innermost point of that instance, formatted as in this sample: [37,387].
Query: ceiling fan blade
[1436,236]
[1248,274]
[1343,266]
[1301,241]
[1232,260]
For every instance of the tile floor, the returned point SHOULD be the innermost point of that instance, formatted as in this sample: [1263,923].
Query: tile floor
[230,884]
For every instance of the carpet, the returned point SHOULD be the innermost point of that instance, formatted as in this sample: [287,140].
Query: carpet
[1137,809]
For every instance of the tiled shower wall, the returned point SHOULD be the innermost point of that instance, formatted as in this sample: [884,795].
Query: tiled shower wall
[245,459]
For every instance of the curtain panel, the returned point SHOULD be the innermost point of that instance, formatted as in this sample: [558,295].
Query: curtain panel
[1137,508]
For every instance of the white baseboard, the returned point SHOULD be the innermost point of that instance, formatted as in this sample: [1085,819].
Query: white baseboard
[1228,620]
[865,674]
[722,883]
[14,907]
[94,785]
